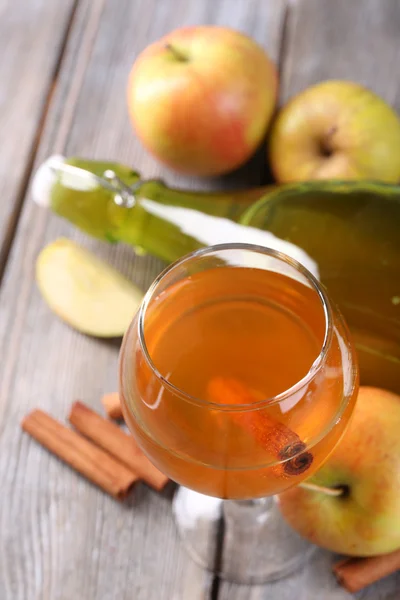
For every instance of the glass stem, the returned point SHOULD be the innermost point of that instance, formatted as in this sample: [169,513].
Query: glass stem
[246,515]
[246,541]
[242,522]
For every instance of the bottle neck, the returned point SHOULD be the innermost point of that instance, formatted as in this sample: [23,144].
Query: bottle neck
[160,220]
[170,223]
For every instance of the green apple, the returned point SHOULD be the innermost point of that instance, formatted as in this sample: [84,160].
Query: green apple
[201,98]
[364,469]
[336,130]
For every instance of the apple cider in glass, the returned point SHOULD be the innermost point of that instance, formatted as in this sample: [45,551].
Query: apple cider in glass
[235,386]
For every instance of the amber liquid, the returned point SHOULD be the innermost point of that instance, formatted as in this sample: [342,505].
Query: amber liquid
[258,327]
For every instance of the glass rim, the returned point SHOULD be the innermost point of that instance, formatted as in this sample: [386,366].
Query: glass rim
[314,368]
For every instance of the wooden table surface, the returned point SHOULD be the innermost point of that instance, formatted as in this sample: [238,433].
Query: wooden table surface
[63,73]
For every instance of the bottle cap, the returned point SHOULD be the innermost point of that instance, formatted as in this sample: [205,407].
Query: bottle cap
[76,178]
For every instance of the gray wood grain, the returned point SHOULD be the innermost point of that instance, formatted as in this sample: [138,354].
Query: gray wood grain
[312,582]
[357,40]
[31,42]
[325,39]
[61,538]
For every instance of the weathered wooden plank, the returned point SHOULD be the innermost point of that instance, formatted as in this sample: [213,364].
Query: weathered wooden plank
[357,40]
[313,582]
[32,37]
[61,537]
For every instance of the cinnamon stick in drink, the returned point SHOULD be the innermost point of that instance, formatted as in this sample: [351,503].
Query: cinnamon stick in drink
[115,441]
[270,433]
[112,406]
[86,458]
[354,574]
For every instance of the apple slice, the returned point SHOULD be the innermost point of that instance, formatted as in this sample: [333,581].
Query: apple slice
[84,291]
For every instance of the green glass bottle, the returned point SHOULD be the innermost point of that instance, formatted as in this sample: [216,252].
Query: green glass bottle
[346,233]
[145,214]
[352,231]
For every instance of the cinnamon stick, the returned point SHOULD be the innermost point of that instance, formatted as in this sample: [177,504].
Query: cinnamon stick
[115,441]
[354,574]
[270,433]
[112,406]
[86,458]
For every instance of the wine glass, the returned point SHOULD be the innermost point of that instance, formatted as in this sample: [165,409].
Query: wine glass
[237,379]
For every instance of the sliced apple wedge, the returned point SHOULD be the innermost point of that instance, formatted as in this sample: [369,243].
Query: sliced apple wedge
[84,291]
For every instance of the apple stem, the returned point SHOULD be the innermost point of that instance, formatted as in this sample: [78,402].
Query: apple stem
[326,143]
[177,53]
[324,490]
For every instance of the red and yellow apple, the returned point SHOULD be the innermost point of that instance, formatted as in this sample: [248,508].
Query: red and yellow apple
[336,130]
[364,519]
[201,98]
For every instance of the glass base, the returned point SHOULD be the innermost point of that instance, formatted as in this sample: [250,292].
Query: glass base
[244,541]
